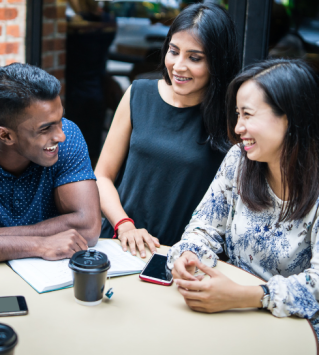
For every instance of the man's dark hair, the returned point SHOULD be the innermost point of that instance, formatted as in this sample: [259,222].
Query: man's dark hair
[20,85]
[291,88]
[215,30]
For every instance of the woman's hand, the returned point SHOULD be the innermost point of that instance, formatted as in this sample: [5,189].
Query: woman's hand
[129,235]
[185,266]
[218,293]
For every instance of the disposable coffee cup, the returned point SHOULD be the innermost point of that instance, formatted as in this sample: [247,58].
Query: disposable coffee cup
[89,269]
[8,340]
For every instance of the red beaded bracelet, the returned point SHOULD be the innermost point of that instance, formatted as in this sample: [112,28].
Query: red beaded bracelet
[116,227]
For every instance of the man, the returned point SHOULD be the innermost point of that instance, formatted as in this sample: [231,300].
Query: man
[49,202]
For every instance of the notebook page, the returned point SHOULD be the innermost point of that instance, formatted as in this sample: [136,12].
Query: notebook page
[44,275]
[121,262]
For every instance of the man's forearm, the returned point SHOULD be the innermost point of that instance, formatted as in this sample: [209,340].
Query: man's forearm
[89,230]
[16,247]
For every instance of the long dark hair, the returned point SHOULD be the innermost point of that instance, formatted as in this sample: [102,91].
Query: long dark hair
[290,88]
[215,30]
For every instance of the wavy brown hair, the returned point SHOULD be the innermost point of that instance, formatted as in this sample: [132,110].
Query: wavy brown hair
[290,88]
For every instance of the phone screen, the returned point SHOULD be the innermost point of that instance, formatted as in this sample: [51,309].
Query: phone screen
[9,304]
[157,269]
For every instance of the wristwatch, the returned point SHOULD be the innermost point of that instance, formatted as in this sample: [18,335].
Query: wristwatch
[265,300]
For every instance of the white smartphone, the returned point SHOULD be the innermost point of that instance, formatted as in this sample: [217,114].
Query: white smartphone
[156,271]
[13,306]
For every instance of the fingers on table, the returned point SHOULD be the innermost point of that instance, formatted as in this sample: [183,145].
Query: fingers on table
[180,272]
[156,241]
[143,236]
[81,242]
[123,241]
[150,241]
[132,243]
[206,269]
[190,289]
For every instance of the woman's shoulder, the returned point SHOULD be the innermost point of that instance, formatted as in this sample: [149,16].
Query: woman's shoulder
[142,84]
[230,164]
[234,152]
[144,91]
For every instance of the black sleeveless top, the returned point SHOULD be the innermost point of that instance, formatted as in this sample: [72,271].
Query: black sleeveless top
[168,168]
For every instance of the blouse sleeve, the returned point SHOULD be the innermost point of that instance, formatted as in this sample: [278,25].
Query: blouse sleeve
[204,234]
[298,294]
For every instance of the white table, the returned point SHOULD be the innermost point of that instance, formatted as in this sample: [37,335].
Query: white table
[144,318]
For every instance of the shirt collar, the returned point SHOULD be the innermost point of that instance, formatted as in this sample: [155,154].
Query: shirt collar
[29,170]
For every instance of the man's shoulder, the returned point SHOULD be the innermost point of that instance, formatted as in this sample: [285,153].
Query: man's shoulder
[74,139]
[74,145]
[69,128]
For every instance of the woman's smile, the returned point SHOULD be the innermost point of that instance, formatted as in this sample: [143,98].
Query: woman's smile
[181,79]
[248,143]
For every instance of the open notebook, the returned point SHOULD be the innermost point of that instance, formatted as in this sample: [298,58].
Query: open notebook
[46,276]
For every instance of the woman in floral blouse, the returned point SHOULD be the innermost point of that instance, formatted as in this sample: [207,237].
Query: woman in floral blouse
[262,206]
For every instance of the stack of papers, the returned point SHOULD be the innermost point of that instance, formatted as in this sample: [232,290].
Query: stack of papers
[45,276]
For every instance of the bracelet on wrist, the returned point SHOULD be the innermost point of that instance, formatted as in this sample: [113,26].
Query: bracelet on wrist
[116,227]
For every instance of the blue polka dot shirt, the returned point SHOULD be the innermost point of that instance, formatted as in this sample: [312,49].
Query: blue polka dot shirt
[29,198]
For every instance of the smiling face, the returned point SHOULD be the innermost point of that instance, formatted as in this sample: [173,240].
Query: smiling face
[186,65]
[36,138]
[260,129]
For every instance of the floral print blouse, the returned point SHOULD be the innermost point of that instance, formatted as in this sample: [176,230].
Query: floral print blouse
[285,254]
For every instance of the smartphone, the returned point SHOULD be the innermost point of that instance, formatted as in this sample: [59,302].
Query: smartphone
[156,271]
[13,306]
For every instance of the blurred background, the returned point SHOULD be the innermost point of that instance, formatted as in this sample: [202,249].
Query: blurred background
[97,48]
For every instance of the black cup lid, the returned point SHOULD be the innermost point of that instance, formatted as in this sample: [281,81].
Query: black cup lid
[8,338]
[89,260]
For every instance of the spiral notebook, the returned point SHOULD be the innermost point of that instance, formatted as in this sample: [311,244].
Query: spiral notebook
[45,276]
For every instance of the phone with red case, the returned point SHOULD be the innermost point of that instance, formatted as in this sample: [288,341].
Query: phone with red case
[156,271]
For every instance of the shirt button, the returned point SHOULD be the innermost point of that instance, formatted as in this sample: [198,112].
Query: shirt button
[16,202]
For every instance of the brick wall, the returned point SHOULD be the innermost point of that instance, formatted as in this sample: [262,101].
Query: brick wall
[53,39]
[12,31]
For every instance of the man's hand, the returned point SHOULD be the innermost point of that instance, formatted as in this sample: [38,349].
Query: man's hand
[184,267]
[129,235]
[62,245]
[218,293]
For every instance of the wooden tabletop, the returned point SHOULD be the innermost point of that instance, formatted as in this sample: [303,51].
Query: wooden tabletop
[144,318]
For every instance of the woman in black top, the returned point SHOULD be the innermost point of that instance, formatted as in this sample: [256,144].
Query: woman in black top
[168,137]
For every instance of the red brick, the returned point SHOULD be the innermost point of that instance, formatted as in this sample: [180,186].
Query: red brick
[10,61]
[15,1]
[59,44]
[47,45]
[8,14]
[13,30]
[50,12]
[58,73]
[0,29]
[62,58]
[12,48]
[47,61]
[62,26]
[9,48]
[47,29]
